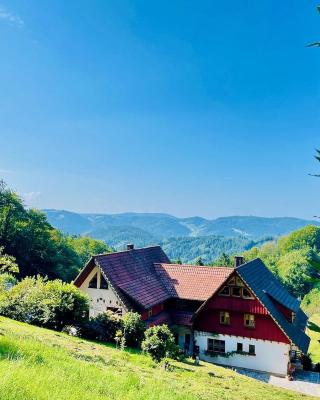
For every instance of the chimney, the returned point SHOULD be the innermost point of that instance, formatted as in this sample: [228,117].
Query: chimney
[130,246]
[238,260]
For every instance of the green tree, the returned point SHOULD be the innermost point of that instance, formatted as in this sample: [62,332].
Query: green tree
[159,343]
[225,260]
[51,304]
[199,261]
[133,329]
[38,248]
[7,263]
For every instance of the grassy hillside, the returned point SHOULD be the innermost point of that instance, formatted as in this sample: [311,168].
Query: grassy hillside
[314,332]
[39,364]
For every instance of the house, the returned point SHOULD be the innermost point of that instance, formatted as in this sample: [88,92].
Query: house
[241,316]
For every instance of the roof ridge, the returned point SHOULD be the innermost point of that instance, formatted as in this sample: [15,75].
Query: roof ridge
[196,266]
[126,251]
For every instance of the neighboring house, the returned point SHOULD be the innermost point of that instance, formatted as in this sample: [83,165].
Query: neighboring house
[242,316]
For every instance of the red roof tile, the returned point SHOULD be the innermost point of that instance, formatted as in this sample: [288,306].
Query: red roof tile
[190,281]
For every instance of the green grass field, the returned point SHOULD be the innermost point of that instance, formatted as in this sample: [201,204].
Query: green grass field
[40,364]
[314,332]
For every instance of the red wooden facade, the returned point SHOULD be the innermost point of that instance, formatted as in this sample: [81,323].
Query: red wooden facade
[208,319]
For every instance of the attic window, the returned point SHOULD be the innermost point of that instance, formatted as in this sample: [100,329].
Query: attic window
[246,294]
[239,281]
[103,282]
[236,292]
[232,281]
[93,284]
[225,291]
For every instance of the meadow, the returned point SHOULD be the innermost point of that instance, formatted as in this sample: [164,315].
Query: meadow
[37,363]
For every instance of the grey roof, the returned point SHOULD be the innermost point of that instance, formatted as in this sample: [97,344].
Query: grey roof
[267,287]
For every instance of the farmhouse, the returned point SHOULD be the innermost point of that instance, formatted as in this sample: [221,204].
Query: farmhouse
[239,316]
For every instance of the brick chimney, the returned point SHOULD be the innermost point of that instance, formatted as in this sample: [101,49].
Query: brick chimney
[238,260]
[130,246]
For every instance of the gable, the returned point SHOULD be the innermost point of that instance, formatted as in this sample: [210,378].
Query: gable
[237,303]
[268,288]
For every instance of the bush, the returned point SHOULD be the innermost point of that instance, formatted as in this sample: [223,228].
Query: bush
[133,329]
[7,281]
[51,304]
[306,362]
[159,343]
[311,302]
[103,327]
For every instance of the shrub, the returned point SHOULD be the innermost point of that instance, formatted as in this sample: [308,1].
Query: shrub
[103,327]
[159,343]
[7,281]
[311,302]
[133,329]
[306,362]
[51,304]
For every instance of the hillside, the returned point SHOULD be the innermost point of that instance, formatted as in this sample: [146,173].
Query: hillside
[182,238]
[164,226]
[39,364]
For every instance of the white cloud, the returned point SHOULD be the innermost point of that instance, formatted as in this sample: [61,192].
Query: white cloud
[12,19]
[30,197]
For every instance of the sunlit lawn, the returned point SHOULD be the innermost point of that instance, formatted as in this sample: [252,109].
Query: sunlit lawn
[40,364]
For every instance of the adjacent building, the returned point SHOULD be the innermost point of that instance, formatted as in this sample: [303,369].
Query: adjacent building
[241,316]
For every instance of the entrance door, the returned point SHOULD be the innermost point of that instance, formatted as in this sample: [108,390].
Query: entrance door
[187,340]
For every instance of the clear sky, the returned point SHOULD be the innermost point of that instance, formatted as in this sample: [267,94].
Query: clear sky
[206,108]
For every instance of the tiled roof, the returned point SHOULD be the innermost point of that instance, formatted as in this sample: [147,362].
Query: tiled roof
[266,286]
[159,319]
[132,272]
[190,281]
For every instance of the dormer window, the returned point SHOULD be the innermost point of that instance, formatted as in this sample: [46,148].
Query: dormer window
[93,284]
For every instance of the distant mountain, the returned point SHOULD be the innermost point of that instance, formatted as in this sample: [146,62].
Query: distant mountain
[164,226]
[184,238]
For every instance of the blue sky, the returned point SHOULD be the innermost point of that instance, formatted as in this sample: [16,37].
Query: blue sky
[206,108]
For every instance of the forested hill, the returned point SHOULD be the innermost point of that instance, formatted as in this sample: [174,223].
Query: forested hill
[164,226]
[182,238]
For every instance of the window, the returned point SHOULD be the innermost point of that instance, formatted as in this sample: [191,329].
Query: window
[232,281]
[246,294]
[249,321]
[217,346]
[239,347]
[93,284]
[236,292]
[103,282]
[224,318]
[225,291]
[252,349]
[239,281]
[150,312]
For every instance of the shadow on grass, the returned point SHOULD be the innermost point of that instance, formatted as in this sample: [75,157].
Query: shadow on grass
[313,327]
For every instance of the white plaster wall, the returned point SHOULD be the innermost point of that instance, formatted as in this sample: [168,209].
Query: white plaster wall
[181,338]
[100,299]
[270,356]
